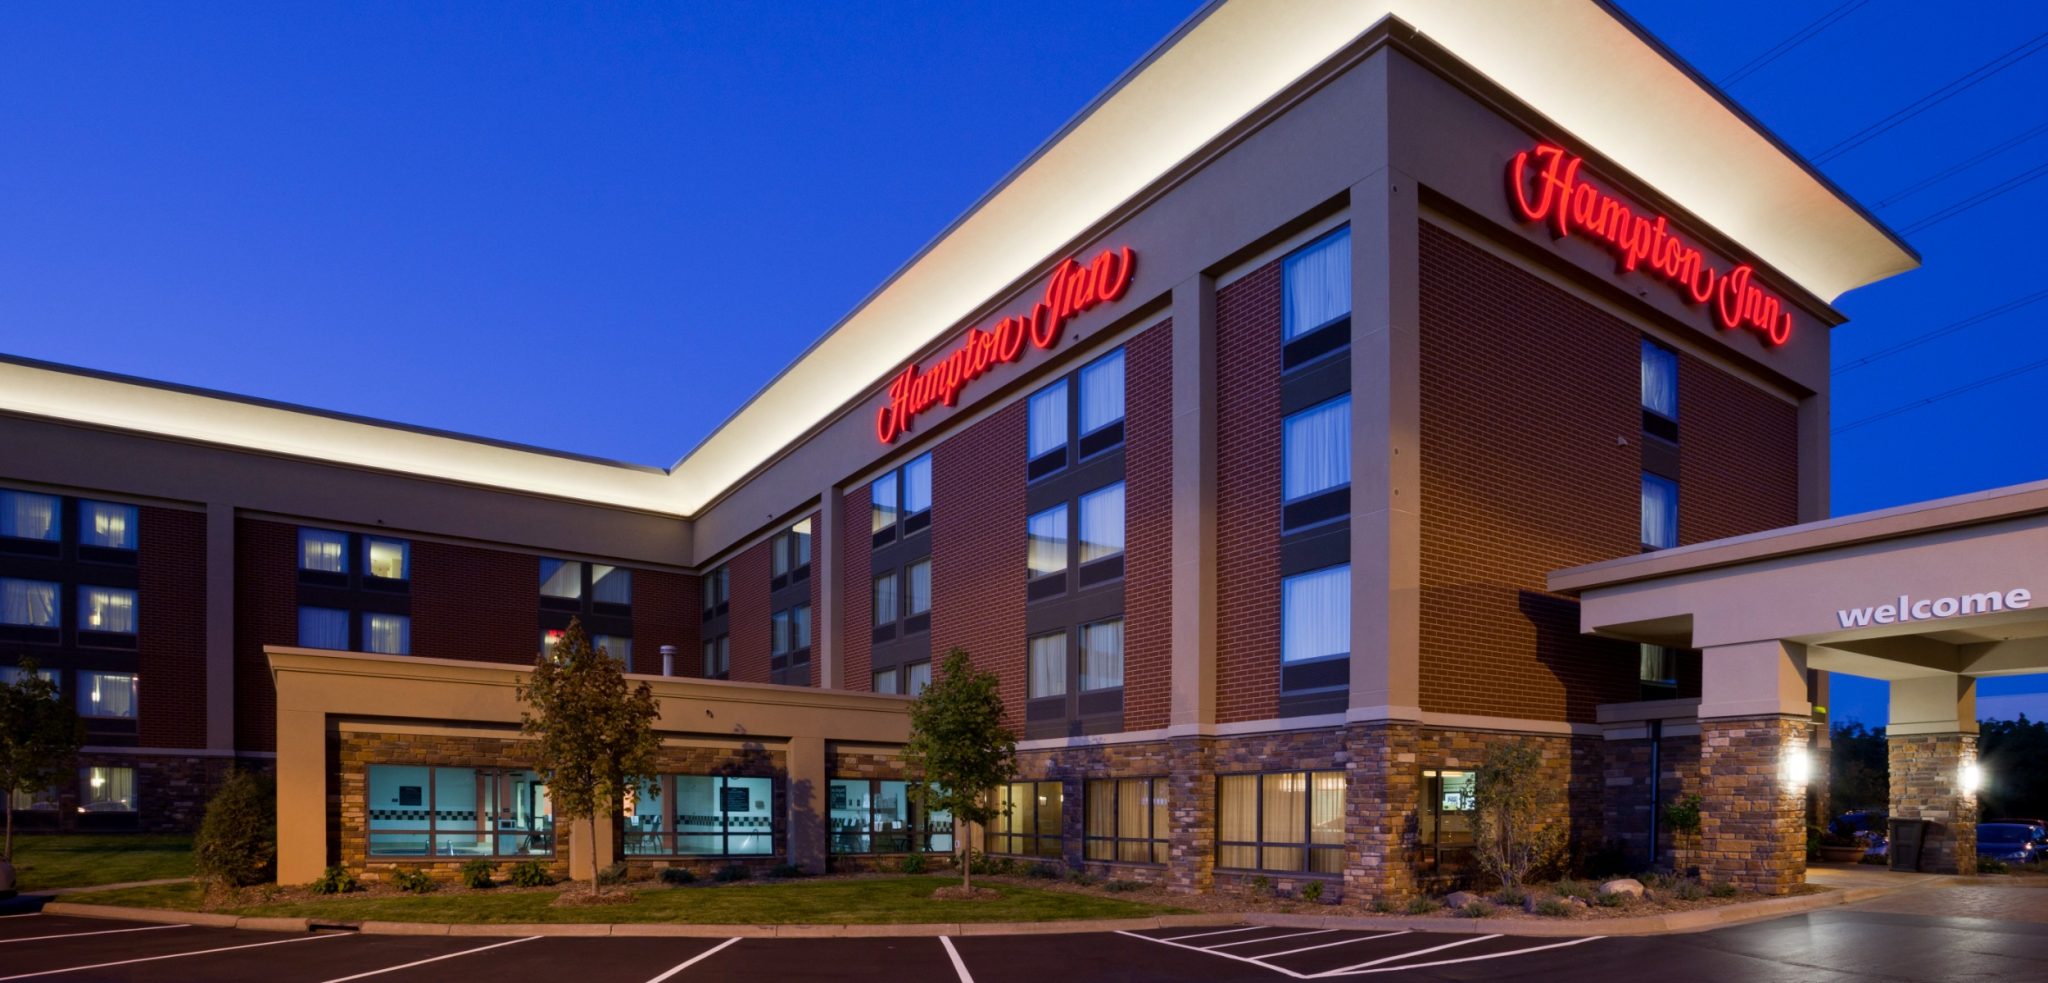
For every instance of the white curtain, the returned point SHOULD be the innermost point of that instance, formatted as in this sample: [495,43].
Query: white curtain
[1102,392]
[1317,284]
[886,604]
[1315,614]
[25,515]
[885,681]
[106,694]
[387,634]
[1658,665]
[1102,523]
[560,578]
[611,585]
[779,634]
[917,485]
[1660,512]
[387,558]
[920,588]
[1049,665]
[1660,379]
[106,524]
[106,609]
[800,627]
[1237,820]
[323,628]
[28,602]
[882,494]
[322,550]
[1047,532]
[616,646]
[917,676]
[1102,656]
[1316,449]
[1048,419]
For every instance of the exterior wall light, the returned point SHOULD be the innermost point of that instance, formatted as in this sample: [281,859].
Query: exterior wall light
[1798,767]
[1970,778]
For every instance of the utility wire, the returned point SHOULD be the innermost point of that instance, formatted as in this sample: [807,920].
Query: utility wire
[1926,183]
[1977,318]
[1961,84]
[2010,184]
[1938,397]
[1798,38]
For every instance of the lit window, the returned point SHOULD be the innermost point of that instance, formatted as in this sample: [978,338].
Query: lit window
[701,816]
[881,815]
[917,485]
[617,646]
[611,585]
[1125,820]
[107,609]
[917,676]
[1315,614]
[1448,822]
[1048,533]
[1048,666]
[1289,821]
[387,634]
[323,551]
[1048,419]
[1102,655]
[1660,380]
[388,559]
[549,638]
[882,493]
[421,811]
[27,515]
[10,675]
[107,789]
[1317,285]
[1102,392]
[918,588]
[1316,450]
[28,603]
[1102,523]
[885,681]
[561,578]
[106,525]
[1030,820]
[1660,512]
[323,628]
[886,602]
[1659,666]
[106,694]
[800,544]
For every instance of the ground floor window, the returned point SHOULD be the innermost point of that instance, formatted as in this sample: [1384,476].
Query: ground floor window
[1126,820]
[1449,813]
[421,811]
[701,815]
[1030,826]
[106,789]
[1291,820]
[878,815]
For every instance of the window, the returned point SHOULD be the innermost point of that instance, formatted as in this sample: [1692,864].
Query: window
[1102,522]
[885,682]
[387,559]
[1029,823]
[323,551]
[387,634]
[791,550]
[1315,446]
[1102,655]
[917,485]
[701,816]
[323,628]
[419,811]
[106,694]
[778,634]
[1048,667]
[1658,667]
[107,609]
[10,675]
[28,603]
[1047,427]
[1315,614]
[917,676]
[611,585]
[917,588]
[27,515]
[561,578]
[617,646]
[1660,512]
[1102,392]
[886,602]
[718,657]
[1048,533]
[877,815]
[106,789]
[1449,816]
[1287,821]
[791,630]
[882,493]
[1125,820]
[1660,380]
[1316,285]
[106,525]
[717,590]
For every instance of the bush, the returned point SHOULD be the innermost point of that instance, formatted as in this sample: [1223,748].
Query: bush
[914,863]
[1425,906]
[677,876]
[476,874]
[786,871]
[237,841]
[335,880]
[1080,878]
[1044,871]
[1986,865]
[1312,892]
[613,875]
[988,866]
[1554,908]
[1689,890]
[1120,887]
[732,872]
[1384,906]
[412,880]
[1511,895]
[529,873]
[1613,899]
[1260,885]
[1724,890]
[1682,814]
[1569,888]
[1476,908]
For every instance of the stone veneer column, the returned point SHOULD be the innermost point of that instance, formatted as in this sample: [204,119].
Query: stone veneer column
[807,789]
[1932,742]
[1191,802]
[1380,789]
[1753,807]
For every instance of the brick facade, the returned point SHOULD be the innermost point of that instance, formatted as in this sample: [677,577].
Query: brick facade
[171,634]
[1148,536]
[667,610]
[1248,497]
[751,620]
[266,613]
[978,550]
[474,603]
[856,589]
[1738,460]
[1926,783]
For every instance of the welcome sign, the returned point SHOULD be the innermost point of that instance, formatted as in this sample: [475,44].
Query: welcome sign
[1909,609]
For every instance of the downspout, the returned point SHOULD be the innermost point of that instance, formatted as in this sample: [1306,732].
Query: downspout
[1656,774]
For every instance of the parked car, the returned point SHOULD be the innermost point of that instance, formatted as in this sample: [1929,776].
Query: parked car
[1867,827]
[2013,843]
[2040,828]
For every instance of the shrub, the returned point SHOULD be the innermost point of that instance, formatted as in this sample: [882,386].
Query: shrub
[1384,906]
[529,873]
[1260,885]
[1724,890]
[988,865]
[1424,906]
[1682,814]
[1312,892]
[412,880]
[1613,899]
[1081,878]
[476,874]
[237,841]
[914,863]
[612,875]
[1043,871]
[1120,887]
[1569,888]
[1513,805]
[1511,895]
[1554,908]
[731,872]
[1986,865]
[1476,908]
[677,876]
[335,880]
[1689,890]
[786,871]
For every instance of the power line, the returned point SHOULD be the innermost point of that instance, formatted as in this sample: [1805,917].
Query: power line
[1798,38]
[1979,198]
[1924,184]
[1938,397]
[1977,318]
[1961,84]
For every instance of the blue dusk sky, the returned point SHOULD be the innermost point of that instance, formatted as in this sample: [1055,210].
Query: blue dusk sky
[602,227]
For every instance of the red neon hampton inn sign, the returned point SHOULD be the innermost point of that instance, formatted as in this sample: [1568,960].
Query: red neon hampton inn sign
[1545,187]
[1073,288]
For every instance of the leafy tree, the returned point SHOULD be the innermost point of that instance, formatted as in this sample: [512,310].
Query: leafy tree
[39,738]
[959,748]
[1512,800]
[237,841]
[1859,770]
[2011,753]
[594,736]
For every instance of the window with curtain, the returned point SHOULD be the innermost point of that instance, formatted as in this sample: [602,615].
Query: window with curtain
[323,628]
[800,544]
[617,646]
[1029,824]
[422,811]
[1315,614]
[700,816]
[561,578]
[1102,655]
[884,682]
[778,633]
[1125,820]
[106,525]
[1315,450]
[882,495]
[917,588]
[1048,534]
[323,550]
[1102,522]
[1660,512]
[1048,420]
[27,515]
[108,609]
[718,657]
[388,559]
[917,485]
[106,789]
[28,603]
[1659,666]
[886,603]
[107,694]
[1285,821]
[387,634]
[9,675]
[917,676]
[1316,284]
[716,586]
[1660,380]
[611,585]
[1102,392]
[1048,666]
[800,627]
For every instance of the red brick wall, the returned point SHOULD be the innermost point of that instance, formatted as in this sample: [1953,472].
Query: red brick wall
[1148,528]
[978,550]
[471,603]
[668,608]
[749,620]
[856,586]
[266,613]
[171,567]
[1248,497]
[1738,456]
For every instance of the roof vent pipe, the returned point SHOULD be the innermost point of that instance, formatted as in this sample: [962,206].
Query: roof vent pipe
[668,660]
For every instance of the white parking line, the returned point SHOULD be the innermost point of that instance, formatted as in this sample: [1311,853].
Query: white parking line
[1203,935]
[105,931]
[694,960]
[1409,955]
[1467,959]
[174,955]
[1269,938]
[954,954]
[1326,945]
[25,914]
[1220,955]
[423,962]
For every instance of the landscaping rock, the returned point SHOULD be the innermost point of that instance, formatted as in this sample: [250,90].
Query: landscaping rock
[1578,902]
[1626,885]
[1459,899]
[1529,903]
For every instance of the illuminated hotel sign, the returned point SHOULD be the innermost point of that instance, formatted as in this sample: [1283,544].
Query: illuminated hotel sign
[1545,187]
[1074,288]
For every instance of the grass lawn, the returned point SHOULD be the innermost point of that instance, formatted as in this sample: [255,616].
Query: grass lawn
[80,860]
[822,902]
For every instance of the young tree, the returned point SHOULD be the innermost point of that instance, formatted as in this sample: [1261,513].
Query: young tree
[1514,837]
[39,738]
[959,747]
[593,736]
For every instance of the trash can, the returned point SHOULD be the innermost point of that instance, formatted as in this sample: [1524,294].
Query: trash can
[1908,836]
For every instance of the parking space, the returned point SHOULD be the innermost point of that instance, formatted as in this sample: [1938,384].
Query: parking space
[1333,953]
